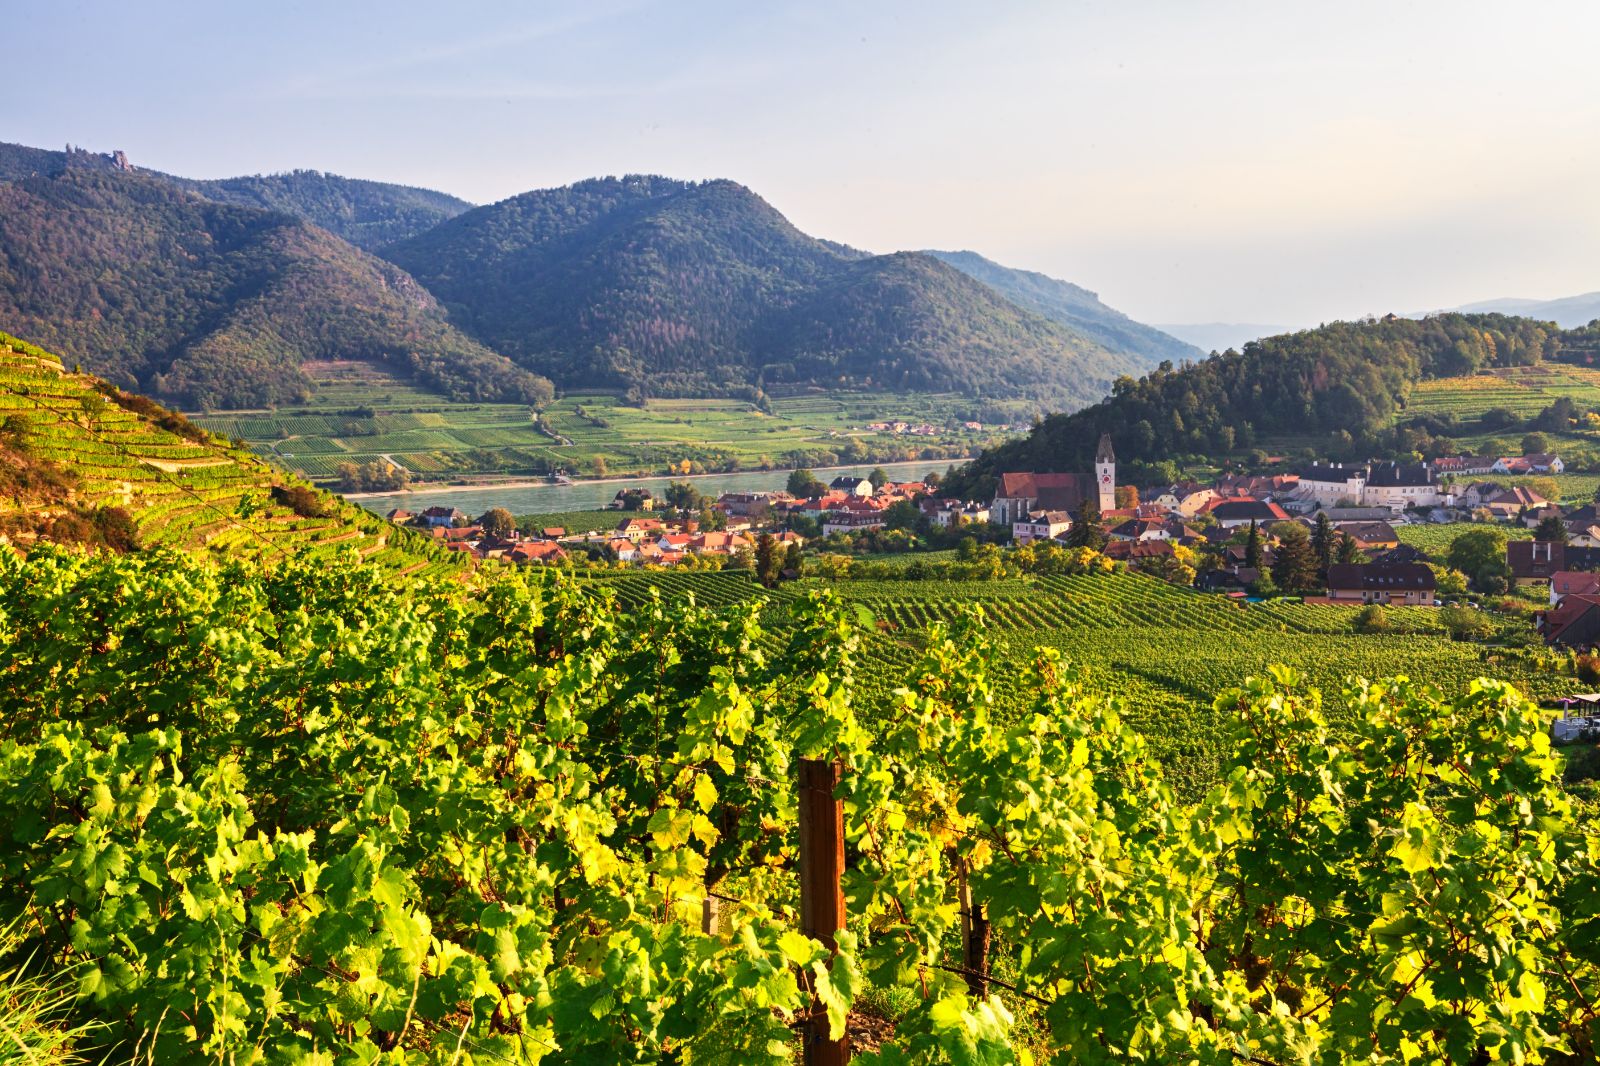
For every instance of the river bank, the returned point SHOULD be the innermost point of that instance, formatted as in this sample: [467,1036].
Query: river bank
[542,497]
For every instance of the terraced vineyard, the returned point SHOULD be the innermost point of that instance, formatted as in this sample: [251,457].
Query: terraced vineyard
[1523,390]
[182,493]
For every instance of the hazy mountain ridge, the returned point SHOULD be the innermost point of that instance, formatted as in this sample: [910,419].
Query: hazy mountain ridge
[676,287]
[214,305]
[1568,312]
[1072,306]
[368,214]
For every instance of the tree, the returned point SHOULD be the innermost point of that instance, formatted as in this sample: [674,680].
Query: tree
[803,484]
[902,514]
[1294,564]
[1535,444]
[1477,551]
[1127,497]
[1252,547]
[498,522]
[683,496]
[794,559]
[711,520]
[768,560]
[1349,551]
[1086,531]
[879,478]
[1323,536]
[1547,487]
[1551,528]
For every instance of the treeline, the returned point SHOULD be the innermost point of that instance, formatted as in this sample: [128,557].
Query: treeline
[1344,377]
[214,306]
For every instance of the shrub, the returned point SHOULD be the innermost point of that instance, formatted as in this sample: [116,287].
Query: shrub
[1372,619]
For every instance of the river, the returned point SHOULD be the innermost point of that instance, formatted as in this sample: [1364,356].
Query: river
[592,495]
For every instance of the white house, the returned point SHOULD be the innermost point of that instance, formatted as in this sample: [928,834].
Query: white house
[1041,525]
[1331,484]
[1397,486]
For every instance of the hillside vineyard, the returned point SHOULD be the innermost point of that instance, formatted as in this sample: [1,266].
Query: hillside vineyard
[311,812]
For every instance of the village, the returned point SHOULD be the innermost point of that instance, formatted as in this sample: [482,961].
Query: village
[1325,534]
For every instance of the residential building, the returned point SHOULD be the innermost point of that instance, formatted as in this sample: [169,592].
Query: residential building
[1564,583]
[1041,525]
[1574,623]
[1535,560]
[1331,484]
[1395,584]
[1398,486]
[852,486]
[1242,510]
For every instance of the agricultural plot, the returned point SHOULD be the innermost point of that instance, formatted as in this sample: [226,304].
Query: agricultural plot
[1523,390]
[182,493]
[360,414]
[1166,651]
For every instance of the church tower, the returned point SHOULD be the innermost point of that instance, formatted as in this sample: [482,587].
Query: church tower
[1105,474]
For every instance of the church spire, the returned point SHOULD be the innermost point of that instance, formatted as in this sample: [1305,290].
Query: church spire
[1105,454]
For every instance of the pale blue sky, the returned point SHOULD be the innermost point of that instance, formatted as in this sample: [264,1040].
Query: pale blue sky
[1271,162]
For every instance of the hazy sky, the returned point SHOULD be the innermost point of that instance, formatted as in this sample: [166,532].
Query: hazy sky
[1276,162]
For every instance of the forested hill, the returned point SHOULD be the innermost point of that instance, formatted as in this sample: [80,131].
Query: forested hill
[1072,306]
[214,305]
[1349,377]
[368,214]
[676,287]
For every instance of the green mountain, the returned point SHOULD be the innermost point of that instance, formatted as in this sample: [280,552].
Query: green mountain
[673,288]
[213,305]
[368,214]
[1346,380]
[1072,306]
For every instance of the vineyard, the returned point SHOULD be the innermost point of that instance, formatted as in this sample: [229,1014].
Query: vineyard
[180,492]
[302,814]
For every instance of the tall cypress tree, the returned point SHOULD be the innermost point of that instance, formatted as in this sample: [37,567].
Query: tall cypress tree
[1322,538]
[1252,547]
[1349,551]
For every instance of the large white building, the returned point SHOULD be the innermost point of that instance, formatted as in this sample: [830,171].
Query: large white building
[1392,486]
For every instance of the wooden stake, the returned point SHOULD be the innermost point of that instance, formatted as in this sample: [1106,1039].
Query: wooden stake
[821,897]
[974,938]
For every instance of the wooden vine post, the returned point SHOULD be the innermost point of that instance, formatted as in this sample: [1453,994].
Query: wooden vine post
[821,897]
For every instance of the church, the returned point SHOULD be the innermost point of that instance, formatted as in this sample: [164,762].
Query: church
[1019,495]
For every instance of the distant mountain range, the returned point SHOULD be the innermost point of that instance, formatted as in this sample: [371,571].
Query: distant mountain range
[212,293]
[1220,336]
[1072,306]
[1568,312]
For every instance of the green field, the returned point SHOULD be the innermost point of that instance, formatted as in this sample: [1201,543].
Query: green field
[1525,390]
[362,414]
[571,521]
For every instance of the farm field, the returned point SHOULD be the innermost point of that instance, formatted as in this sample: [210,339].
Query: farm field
[1524,390]
[361,414]
[1165,650]
[571,521]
